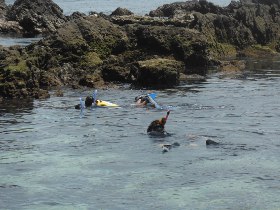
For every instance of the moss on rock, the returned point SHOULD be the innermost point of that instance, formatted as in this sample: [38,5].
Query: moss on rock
[158,72]
[222,50]
[258,51]
[91,60]
[20,66]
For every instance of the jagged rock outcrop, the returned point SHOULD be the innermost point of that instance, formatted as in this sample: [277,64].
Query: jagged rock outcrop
[240,23]
[3,9]
[7,27]
[17,78]
[181,9]
[151,51]
[36,16]
[267,2]
[184,44]
[262,20]
[74,54]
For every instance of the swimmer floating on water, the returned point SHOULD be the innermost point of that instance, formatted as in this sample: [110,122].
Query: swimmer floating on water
[88,103]
[145,100]
[91,101]
[157,126]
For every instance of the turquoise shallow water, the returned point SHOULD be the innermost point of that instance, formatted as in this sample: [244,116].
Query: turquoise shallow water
[51,157]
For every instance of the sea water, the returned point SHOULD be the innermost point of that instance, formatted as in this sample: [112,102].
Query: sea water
[55,157]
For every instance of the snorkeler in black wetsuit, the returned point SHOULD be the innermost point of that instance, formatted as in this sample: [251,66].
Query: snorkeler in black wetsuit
[88,102]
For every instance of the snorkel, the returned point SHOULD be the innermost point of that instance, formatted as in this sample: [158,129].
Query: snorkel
[163,120]
[94,95]
[152,95]
[167,114]
[153,101]
[82,106]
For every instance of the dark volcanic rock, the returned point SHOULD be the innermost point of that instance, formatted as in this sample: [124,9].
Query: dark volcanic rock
[240,23]
[91,81]
[87,34]
[76,15]
[18,79]
[121,12]
[224,29]
[73,54]
[267,2]
[3,8]
[278,46]
[78,48]
[112,73]
[180,9]
[36,16]
[8,27]
[187,45]
[211,142]
[262,20]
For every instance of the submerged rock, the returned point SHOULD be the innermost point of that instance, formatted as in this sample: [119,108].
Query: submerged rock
[211,142]
[232,66]
[41,94]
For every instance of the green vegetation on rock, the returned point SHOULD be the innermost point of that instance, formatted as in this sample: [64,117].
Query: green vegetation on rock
[20,66]
[91,60]
[102,48]
[258,51]
[160,63]
[222,50]
[159,72]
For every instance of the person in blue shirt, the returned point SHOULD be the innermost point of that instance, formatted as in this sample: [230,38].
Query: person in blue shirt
[143,100]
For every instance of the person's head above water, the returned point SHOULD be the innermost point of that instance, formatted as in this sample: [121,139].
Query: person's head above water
[142,97]
[158,125]
[137,98]
[142,100]
[162,121]
[88,101]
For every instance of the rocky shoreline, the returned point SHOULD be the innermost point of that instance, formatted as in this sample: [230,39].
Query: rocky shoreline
[174,42]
